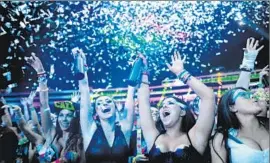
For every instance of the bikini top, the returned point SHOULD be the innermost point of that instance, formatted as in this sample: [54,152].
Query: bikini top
[239,152]
[181,155]
[51,153]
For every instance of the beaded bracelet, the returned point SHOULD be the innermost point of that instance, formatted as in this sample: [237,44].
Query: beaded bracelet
[42,79]
[184,76]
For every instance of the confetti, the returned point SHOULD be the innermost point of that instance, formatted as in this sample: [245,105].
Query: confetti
[113,32]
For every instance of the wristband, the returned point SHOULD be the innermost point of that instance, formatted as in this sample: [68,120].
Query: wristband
[41,73]
[147,83]
[244,68]
[44,90]
[42,79]
[184,76]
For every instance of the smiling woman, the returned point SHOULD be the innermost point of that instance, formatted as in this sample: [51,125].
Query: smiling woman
[55,146]
[106,137]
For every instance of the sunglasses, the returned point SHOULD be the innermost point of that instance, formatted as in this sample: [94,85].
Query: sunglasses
[243,94]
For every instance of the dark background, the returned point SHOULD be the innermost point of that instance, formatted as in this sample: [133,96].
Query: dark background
[25,77]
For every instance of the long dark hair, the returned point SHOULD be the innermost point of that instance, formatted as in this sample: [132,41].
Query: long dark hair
[74,142]
[188,120]
[74,127]
[226,119]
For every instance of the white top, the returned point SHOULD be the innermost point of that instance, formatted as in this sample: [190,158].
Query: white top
[241,153]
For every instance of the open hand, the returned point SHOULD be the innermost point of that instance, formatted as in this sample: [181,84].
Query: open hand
[35,62]
[251,46]
[264,71]
[75,97]
[144,59]
[177,64]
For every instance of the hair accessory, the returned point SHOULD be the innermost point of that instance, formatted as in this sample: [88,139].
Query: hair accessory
[68,105]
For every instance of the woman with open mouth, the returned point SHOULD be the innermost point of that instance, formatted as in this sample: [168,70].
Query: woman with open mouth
[106,136]
[182,140]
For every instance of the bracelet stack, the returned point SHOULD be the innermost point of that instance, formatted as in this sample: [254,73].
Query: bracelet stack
[42,77]
[184,76]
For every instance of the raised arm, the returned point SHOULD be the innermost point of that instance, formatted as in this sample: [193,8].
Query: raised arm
[127,119]
[31,135]
[25,108]
[247,66]
[203,127]
[147,123]
[264,71]
[6,118]
[46,121]
[33,112]
[86,111]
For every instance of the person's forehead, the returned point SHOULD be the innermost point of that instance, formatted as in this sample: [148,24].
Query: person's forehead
[169,99]
[64,111]
[103,98]
[154,109]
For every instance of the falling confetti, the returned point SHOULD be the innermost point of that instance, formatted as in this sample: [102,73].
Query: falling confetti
[113,32]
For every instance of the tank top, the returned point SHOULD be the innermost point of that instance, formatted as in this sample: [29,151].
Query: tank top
[99,150]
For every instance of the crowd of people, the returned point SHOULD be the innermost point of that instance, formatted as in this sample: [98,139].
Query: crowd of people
[233,129]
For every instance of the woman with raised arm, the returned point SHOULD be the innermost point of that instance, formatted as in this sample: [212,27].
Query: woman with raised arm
[105,139]
[182,140]
[56,136]
[240,136]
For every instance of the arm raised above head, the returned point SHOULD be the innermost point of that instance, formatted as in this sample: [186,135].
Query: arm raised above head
[250,54]
[203,127]
[46,121]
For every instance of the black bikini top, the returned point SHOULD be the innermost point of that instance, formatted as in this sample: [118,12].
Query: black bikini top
[99,150]
[181,155]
